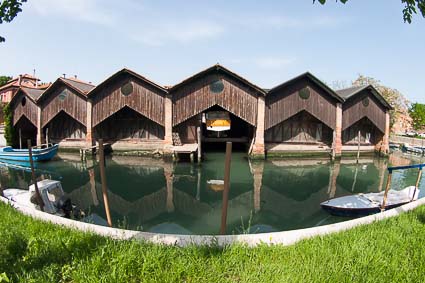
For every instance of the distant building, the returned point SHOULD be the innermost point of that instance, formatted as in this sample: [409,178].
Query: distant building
[11,87]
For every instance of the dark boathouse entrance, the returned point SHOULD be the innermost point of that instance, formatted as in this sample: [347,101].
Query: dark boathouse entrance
[237,131]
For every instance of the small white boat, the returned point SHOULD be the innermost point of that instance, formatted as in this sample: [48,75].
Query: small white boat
[54,199]
[365,204]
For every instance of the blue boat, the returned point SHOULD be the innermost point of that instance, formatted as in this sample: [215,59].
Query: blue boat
[38,154]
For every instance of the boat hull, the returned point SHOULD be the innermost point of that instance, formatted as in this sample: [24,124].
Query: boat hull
[356,212]
[22,155]
[366,204]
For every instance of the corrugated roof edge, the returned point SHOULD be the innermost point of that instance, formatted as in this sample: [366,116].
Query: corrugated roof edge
[328,90]
[130,72]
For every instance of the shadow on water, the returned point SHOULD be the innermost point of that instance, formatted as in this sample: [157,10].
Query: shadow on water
[185,198]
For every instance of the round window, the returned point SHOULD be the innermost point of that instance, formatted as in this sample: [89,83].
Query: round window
[62,95]
[23,101]
[127,89]
[217,86]
[365,102]
[304,93]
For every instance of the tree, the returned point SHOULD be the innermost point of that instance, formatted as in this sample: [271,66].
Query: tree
[411,7]
[4,80]
[9,9]
[395,98]
[417,112]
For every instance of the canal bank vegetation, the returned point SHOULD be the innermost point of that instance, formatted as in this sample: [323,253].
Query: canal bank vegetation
[387,251]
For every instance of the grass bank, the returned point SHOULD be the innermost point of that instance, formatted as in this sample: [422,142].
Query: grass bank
[389,251]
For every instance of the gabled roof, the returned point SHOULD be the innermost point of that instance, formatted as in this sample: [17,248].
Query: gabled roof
[32,93]
[131,73]
[218,68]
[350,92]
[310,76]
[78,86]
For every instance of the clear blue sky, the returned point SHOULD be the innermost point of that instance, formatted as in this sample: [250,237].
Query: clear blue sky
[267,42]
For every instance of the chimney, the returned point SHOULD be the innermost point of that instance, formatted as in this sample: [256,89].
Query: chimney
[75,76]
[36,80]
[19,80]
[64,76]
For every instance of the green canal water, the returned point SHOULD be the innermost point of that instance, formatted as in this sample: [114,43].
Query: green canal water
[155,196]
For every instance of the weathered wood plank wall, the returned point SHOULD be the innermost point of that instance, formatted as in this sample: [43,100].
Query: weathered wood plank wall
[144,99]
[353,110]
[27,108]
[67,100]
[369,133]
[301,128]
[286,102]
[64,127]
[127,124]
[195,97]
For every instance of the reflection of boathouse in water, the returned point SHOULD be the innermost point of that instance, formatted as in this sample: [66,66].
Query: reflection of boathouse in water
[270,192]
[211,107]
[277,195]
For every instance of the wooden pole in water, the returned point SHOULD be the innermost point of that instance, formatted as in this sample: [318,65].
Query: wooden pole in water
[103,181]
[358,147]
[387,188]
[20,139]
[34,179]
[417,183]
[198,132]
[228,159]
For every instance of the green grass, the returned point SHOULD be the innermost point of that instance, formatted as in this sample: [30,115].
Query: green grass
[389,251]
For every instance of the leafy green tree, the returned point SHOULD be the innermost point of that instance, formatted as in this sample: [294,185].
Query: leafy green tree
[9,9]
[8,124]
[411,7]
[395,98]
[417,112]
[4,80]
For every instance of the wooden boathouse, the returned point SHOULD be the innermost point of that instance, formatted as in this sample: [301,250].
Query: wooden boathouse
[365,119]
[132,113]
[301,115]
[63,112]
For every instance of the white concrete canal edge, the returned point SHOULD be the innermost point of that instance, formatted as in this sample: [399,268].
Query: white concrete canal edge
[283,238]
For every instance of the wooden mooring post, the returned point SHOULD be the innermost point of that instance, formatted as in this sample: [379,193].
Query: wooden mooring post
[34,179]
[20,139]
[387,188]
[225,204]
[358,147]
[103,181]
[418,179]
[198,132]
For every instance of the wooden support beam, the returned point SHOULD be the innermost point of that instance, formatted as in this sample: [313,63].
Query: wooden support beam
[103,181]
[34,178]
[225,203]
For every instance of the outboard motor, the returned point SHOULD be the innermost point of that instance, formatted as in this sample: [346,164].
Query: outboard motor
[64,203]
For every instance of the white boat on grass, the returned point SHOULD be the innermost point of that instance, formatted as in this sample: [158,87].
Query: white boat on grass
[365,204]
[52,195]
